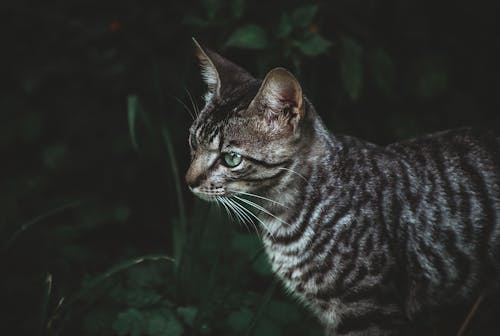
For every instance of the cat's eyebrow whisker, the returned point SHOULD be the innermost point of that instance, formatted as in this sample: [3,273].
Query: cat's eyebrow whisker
[294,172]
[258,196]
[193,103]
[258,207]
[184,106]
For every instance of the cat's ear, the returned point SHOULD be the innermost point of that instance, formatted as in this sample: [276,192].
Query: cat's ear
[280,97]
[219,74]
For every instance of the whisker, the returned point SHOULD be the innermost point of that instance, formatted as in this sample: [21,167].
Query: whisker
[245,213]
[238,215]
[258,196]
[185,107]
[293,171]
[196,109]
[242,216]
[256,217]
[258,207]
[228,212]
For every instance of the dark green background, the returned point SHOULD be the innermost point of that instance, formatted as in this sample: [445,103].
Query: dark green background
[93,145]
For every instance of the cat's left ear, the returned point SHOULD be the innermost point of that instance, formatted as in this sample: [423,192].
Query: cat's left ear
[220,74]
[280,97]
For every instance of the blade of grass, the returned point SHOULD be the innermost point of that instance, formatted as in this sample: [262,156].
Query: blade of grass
[180,228]
[65,307]
[37,219]
[47,290]
[470,315]
[132,113]
[265,301]
[206,304]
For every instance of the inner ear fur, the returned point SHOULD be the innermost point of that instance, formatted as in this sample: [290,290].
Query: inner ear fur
[280,96]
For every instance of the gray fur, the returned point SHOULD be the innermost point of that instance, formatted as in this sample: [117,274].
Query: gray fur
[368,237]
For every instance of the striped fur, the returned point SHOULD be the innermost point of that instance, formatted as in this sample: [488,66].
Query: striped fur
[369,237]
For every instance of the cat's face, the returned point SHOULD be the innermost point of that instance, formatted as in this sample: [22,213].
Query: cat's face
[247,134]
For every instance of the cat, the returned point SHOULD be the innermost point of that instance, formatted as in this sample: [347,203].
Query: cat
[369,237]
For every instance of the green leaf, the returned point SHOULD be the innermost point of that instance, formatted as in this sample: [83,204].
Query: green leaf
[132,113]
[284,27]
[266,327]
[432,78]
[141,298]
[130,322]
[53,155]
[282,312]
[160,325]
[212,7]
[304,16]
[188,314]
[239,320]
[351,66]
[98,321]
[262,266]
[248,37]
[247,244]
[313,44]
[174,328]
[36,220]
[237,8]
[382,71]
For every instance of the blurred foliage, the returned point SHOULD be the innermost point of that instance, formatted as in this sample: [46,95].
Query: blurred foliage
[94,147]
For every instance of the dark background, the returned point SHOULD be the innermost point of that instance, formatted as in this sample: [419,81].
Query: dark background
[93,144]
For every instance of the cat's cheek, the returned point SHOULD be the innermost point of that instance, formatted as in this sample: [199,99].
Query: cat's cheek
[237,186]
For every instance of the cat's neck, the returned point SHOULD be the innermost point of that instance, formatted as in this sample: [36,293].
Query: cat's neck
[313,158]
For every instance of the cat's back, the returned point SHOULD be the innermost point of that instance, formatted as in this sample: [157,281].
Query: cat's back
[460,160]
[451,218]
[466,146]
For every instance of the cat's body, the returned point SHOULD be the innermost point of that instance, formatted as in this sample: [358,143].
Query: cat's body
[369,237]
[382,233]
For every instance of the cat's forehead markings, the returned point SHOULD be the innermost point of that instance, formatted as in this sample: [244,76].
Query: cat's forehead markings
[215,143]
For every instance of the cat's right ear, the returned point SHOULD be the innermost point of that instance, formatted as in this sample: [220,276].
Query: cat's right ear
[280,99]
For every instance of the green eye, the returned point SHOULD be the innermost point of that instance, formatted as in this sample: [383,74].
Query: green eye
[231,159]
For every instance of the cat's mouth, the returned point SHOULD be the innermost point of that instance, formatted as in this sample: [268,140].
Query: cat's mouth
[209,194]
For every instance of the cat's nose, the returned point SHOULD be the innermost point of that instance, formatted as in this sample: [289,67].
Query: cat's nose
[193,177]
[190,179]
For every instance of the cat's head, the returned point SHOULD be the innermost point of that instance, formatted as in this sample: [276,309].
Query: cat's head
[249,131]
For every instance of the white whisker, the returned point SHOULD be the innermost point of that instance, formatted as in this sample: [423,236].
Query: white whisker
[241,215]
[193,103]
[241,219]
[228,212]
[255,216]
[244,212]
[258,207]
[293,171]
[258,196]
[185,107]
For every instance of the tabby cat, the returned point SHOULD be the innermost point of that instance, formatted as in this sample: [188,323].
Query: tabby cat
[368,237]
